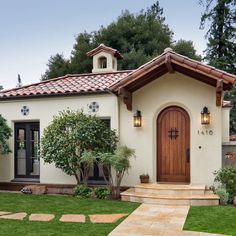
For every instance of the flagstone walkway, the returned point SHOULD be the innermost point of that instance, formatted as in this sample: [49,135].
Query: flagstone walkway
[75,218]
[156,220]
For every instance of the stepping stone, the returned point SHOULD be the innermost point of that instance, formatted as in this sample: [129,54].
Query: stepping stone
[41,217]
[106,218]
[14,216]
[73,218]
[4,213]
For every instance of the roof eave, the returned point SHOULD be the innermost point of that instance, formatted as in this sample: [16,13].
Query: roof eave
[21,97]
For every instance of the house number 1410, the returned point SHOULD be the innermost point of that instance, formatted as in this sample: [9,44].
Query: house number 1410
[205,132]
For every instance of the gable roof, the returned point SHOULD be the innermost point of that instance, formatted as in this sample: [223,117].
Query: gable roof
[103,48]
[67,85]
[170,61]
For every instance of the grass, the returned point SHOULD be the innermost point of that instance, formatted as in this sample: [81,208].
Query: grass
[58,205]
[212,219]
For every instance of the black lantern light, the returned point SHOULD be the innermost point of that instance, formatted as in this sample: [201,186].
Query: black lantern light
[205,116]
[137,119]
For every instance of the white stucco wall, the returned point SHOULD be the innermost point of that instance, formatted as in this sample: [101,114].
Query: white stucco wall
[225,124]
[190,94]
[43,110]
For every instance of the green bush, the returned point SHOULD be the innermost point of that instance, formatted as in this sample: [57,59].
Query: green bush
[82,191]
[5,134]
[102,193]
[227,177]
[224,196]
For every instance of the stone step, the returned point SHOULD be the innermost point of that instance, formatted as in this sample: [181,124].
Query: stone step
[193,200]
[170,189]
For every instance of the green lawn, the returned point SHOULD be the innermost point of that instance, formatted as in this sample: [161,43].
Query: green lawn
[212,219]
[58,205]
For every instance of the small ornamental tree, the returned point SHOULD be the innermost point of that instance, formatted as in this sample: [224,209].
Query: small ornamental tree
[5,134]
[119,162]
[72,140]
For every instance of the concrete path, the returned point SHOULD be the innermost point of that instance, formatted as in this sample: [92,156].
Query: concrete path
[156,220]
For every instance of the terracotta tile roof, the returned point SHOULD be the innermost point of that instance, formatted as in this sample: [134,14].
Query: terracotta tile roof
[170,61]
[67,85]
[103,48]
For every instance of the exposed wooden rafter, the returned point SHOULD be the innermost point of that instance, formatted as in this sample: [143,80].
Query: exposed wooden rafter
[127,97]
[168,64]
[219,90]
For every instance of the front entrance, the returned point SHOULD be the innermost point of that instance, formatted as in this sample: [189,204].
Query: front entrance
[173,145]
[26,150]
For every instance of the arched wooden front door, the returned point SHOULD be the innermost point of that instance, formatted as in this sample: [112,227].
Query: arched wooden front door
[173,143]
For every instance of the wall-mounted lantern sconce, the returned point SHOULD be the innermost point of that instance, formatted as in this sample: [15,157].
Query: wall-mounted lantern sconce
[137,119]
[205,116]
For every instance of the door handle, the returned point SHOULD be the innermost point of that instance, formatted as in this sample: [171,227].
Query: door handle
[188,155]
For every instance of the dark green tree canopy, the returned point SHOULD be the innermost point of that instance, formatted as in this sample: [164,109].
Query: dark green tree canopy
[57,66]
[221,47]
[139,37]
[187,49]
[5,134]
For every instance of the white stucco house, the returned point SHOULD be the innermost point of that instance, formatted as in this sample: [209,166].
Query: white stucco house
[173,143]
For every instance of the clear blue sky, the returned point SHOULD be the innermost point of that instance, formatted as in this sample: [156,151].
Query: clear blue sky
[31,31]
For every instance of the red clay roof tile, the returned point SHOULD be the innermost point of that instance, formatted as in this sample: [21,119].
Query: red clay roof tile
[68,84]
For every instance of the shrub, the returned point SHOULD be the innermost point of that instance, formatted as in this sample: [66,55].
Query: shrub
[119,161]
[227,177]
[102,193]
[5,134]
[82,191]
[72,140]
[224,196]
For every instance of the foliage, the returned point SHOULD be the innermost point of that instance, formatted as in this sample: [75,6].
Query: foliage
[224,196]
[221,47]
[186,48]
[102,193]
[58,205]
[5,134]
[139,37]
[83,191]
[72,140]
[1,87]
[227,177]
[57,66]
[119,161]
[211,219]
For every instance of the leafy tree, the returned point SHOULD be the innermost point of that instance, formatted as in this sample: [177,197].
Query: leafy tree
[187,49]
[72,140]
[119,162]
[5,134]
[57,66]
[1,87]
[80,62]
[221,47]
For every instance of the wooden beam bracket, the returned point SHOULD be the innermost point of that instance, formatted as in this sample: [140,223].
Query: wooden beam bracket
[127,97]
[168,64]
[219,91]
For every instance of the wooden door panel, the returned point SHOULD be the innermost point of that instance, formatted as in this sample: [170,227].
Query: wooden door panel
[173,134]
